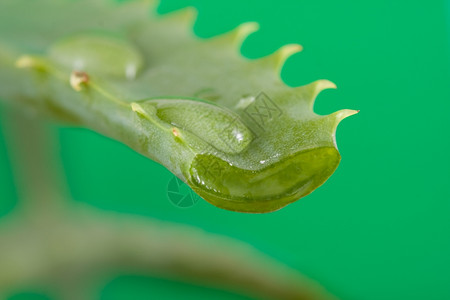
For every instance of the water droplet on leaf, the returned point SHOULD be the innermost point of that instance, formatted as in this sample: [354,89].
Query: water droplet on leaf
[100,54]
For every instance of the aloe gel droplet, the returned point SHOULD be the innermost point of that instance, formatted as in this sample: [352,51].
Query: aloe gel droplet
[98,53]
[218,127]
[266,190]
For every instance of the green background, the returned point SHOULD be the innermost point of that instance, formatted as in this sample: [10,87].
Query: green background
[379,228]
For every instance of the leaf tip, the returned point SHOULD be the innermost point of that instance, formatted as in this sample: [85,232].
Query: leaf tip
[247,28]
[323,84]
[284,53]
[187,15]
[336,118]
[236,36]
[241,32]
[310,91]
[345,113]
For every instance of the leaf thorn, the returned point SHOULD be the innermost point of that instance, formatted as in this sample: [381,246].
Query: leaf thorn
[283,53]
[244,30]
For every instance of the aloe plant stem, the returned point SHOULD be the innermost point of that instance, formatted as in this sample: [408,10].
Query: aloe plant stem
[40,184]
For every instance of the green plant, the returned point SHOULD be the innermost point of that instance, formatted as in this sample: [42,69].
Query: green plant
[193,106]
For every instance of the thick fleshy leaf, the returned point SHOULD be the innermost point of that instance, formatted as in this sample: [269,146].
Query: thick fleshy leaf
[225,125]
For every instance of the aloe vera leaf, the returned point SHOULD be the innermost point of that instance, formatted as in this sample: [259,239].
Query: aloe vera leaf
[227,126]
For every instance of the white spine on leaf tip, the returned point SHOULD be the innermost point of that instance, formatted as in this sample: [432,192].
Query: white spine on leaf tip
[283,54]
